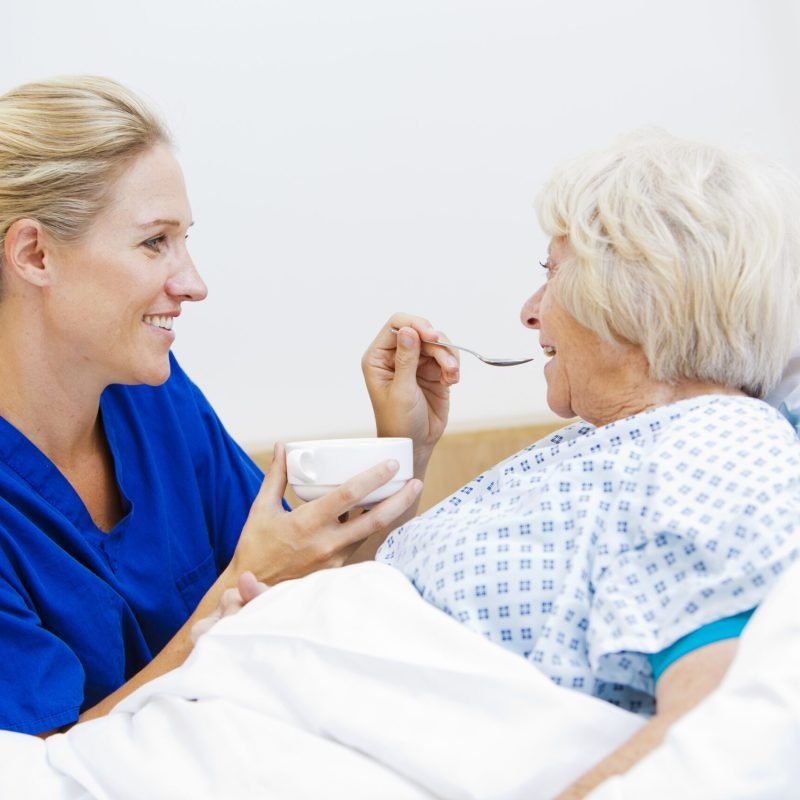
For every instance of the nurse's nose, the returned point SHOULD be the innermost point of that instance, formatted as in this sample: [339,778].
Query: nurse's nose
[185,283]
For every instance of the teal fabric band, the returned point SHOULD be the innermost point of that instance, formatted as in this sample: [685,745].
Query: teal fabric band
[727,628]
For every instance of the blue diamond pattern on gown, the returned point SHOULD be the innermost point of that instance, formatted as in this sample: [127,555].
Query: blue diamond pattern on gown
[596,546]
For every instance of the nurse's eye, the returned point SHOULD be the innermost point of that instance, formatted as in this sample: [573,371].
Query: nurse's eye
[155,243]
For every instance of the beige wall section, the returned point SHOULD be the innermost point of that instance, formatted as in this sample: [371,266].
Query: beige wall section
[461,456]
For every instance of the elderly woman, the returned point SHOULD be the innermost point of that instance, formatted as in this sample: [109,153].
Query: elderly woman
[623,555]
[126,510]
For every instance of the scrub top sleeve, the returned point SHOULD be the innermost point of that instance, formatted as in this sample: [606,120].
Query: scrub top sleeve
[41,679]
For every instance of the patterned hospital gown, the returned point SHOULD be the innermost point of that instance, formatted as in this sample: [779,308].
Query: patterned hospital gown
[596,546]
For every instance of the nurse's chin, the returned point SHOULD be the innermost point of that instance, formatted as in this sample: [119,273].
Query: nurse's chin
[162,376]
[154,374]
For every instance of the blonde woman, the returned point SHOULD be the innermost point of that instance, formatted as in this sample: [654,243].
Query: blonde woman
[126,510]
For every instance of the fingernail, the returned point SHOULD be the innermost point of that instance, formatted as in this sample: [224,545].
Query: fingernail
[416,485]
[404,340]
[452,362]
[393,464]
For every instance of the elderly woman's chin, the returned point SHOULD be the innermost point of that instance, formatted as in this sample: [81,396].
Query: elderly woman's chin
[559,396]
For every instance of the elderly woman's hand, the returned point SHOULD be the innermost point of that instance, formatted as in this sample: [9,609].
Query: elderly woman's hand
[248,587]
[409,383]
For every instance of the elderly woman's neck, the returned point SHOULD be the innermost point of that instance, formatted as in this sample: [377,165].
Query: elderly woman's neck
[647,395]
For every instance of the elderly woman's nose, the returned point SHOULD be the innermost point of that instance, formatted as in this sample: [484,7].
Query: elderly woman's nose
[530,309]
[186,282]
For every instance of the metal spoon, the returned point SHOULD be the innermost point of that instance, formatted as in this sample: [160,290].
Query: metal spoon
[495,362]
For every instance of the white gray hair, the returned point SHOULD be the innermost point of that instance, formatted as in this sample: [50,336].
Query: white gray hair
[687,251]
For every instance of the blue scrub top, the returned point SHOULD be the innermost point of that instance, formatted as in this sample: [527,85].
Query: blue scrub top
[81,611]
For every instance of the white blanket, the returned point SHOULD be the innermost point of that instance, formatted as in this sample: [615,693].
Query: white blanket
[344,684]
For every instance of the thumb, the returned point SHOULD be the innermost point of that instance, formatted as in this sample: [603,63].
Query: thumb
[274,486]
[406,359]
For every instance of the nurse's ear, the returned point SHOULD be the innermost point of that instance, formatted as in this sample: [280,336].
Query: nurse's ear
[24,252]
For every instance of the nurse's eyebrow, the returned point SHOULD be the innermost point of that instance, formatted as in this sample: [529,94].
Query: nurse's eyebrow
[156,222]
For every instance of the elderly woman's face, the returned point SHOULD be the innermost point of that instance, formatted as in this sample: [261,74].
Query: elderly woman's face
[586,376]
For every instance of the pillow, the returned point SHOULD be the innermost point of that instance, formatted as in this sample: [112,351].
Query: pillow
[786,395]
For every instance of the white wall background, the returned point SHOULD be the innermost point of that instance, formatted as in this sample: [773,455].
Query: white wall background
[349,158]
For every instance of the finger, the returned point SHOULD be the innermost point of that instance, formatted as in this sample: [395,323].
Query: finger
[382,350]
[386,340]
[380,516]
[421,325]
[250,587]
[231,602]
[273,487]
[406,357]
[230,595]
[448,361]
[347,496]
[202,626]
[232,609]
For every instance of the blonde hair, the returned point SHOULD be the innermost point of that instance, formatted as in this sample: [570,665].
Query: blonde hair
[63,142]
[689,252]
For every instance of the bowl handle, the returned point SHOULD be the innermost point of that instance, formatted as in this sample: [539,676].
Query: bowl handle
[299,466]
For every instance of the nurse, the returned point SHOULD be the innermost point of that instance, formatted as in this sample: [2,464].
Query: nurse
[126,510]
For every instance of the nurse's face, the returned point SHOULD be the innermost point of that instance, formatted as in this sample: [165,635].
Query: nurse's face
[119,290]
